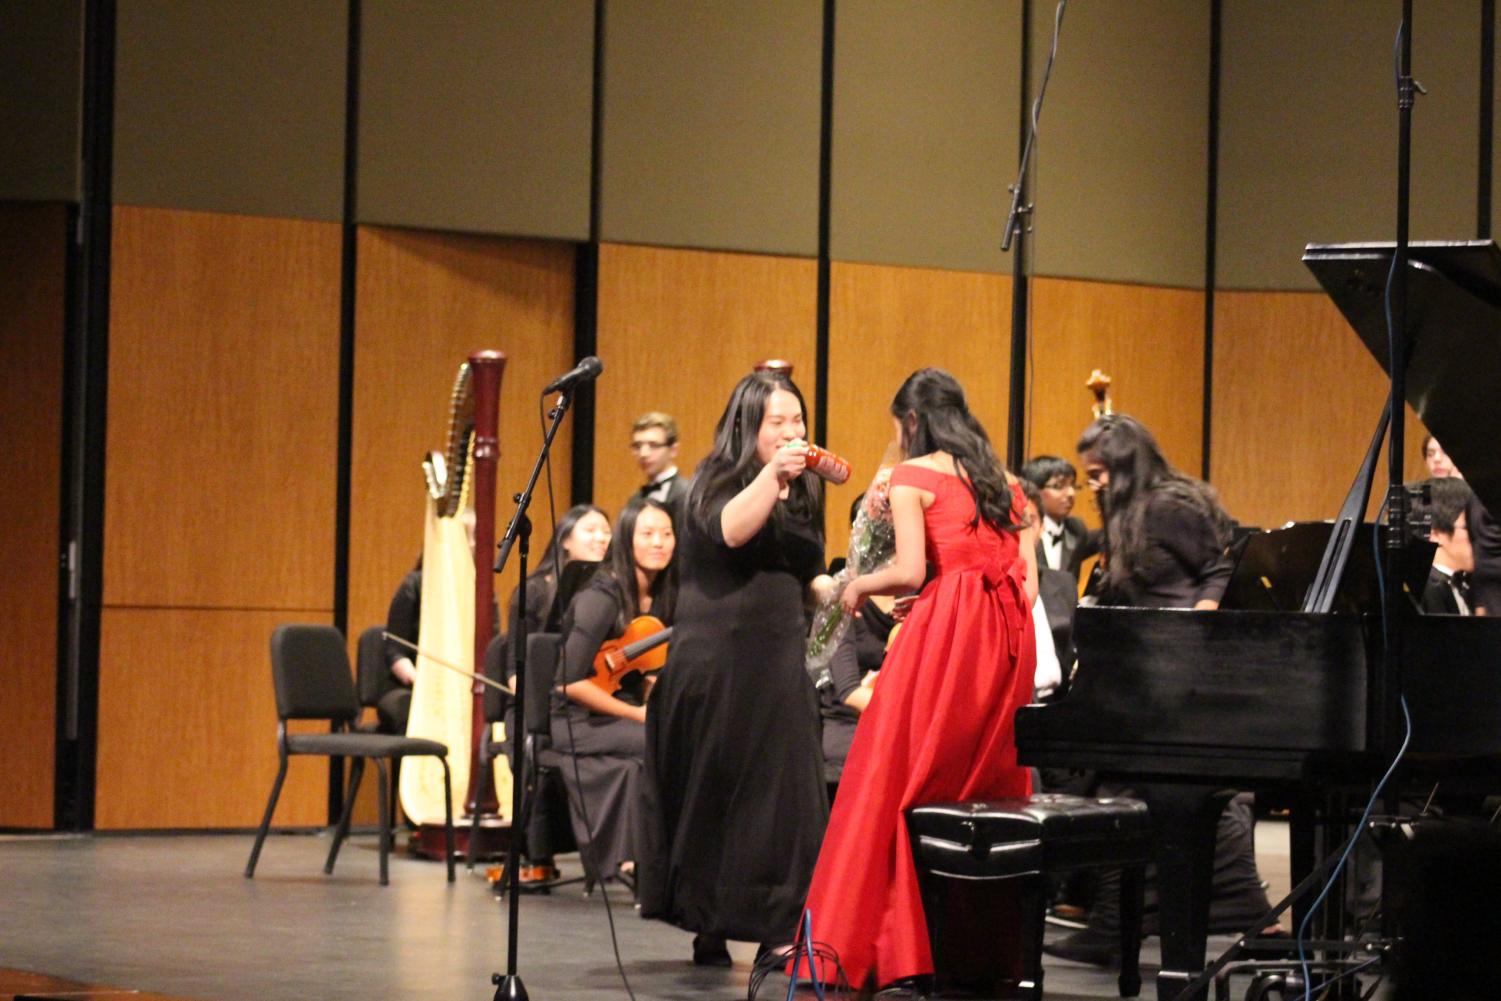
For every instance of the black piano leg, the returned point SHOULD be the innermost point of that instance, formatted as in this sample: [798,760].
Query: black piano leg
[1186,818]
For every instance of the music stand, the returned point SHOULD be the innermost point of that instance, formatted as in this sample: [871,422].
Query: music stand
[1276,569]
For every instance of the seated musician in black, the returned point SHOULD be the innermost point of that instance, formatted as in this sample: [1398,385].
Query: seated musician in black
[853,671]
[604,732]
[1447,591]
[1165,540]
[402,619]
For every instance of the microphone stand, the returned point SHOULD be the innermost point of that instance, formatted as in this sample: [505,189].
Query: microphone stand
[508,986]
[1017,228]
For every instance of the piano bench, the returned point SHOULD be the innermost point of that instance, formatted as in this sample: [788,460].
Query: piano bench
[983,868]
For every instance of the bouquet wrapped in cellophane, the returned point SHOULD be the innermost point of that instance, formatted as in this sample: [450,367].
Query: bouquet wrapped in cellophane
[872,546]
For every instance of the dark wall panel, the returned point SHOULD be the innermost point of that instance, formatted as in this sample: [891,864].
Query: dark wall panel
[476,116]
[1120,183]
[33,241]
[1309,130]
[41,87]
[711,121]
[925,131]
[231,107]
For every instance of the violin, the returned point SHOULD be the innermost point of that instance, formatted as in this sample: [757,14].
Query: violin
[642,647]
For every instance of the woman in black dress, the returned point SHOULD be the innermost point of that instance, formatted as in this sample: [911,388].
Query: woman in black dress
[604,733]
[736,804]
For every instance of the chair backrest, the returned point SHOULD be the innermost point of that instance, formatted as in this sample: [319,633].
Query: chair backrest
[543,651]
[372,675]
[310,672]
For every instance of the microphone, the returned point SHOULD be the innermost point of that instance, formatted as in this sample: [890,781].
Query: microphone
[587,370]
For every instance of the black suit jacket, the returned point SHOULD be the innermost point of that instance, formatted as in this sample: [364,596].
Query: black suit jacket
[678,489]
[1060,596]
[1438,596]
[1079,544]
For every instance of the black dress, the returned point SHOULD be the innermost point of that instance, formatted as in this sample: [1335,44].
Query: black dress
[735,803]
[602,753]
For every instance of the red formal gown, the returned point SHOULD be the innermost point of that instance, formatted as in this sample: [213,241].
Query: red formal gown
[939,727]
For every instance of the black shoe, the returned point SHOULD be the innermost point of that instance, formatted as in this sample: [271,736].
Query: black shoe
[709,950]
[1087,946]
[781,952]
[918,988]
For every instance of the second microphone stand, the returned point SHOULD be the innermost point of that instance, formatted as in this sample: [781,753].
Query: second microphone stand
[508,986]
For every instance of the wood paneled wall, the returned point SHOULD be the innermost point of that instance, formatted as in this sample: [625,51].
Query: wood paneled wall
[885,322]
[33,241]
[219,506]
[424,302]
[677,330]
[1296,398]
[1149,340]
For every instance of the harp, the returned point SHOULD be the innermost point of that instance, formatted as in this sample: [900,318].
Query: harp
[457,620]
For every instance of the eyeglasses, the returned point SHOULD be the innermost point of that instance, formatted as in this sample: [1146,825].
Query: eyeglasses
[649,446]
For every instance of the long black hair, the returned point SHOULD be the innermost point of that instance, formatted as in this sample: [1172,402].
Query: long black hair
[935,417]
[732,461]
[619,570]
[553,556]
[1138,471]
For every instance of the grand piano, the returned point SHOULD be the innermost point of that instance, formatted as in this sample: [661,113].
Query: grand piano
[1188,706]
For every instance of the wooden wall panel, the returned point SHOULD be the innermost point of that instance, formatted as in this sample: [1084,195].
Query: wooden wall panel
[187,722]
[885,322]
[1149,340]
[32,273]
[424,302]
[1296,398]
[677,330]
[219,504]
[223,411]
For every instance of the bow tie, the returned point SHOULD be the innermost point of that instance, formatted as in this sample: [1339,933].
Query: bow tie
[1057,536]
[653,487]
[1461,581]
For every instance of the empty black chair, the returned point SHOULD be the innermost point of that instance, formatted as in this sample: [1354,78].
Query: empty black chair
[310,672]
[373,678]
[982,868]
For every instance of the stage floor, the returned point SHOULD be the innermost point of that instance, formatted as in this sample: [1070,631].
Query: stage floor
[173,915]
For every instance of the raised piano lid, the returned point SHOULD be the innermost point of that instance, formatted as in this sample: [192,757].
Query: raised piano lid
[1454,317]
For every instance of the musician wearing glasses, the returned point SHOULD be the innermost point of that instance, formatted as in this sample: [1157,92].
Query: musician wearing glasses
[1065,543]
[1165,543]
[654,444]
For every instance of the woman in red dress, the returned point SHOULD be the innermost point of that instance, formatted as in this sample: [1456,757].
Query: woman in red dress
[939,726]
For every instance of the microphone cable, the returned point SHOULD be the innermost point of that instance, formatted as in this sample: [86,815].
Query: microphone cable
[1386,646]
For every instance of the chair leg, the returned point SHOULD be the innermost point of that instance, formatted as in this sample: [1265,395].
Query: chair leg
[1133,884]
[1032,894]
[470,848]
[341,830]
[448,846]
[383,777]
[260,835]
